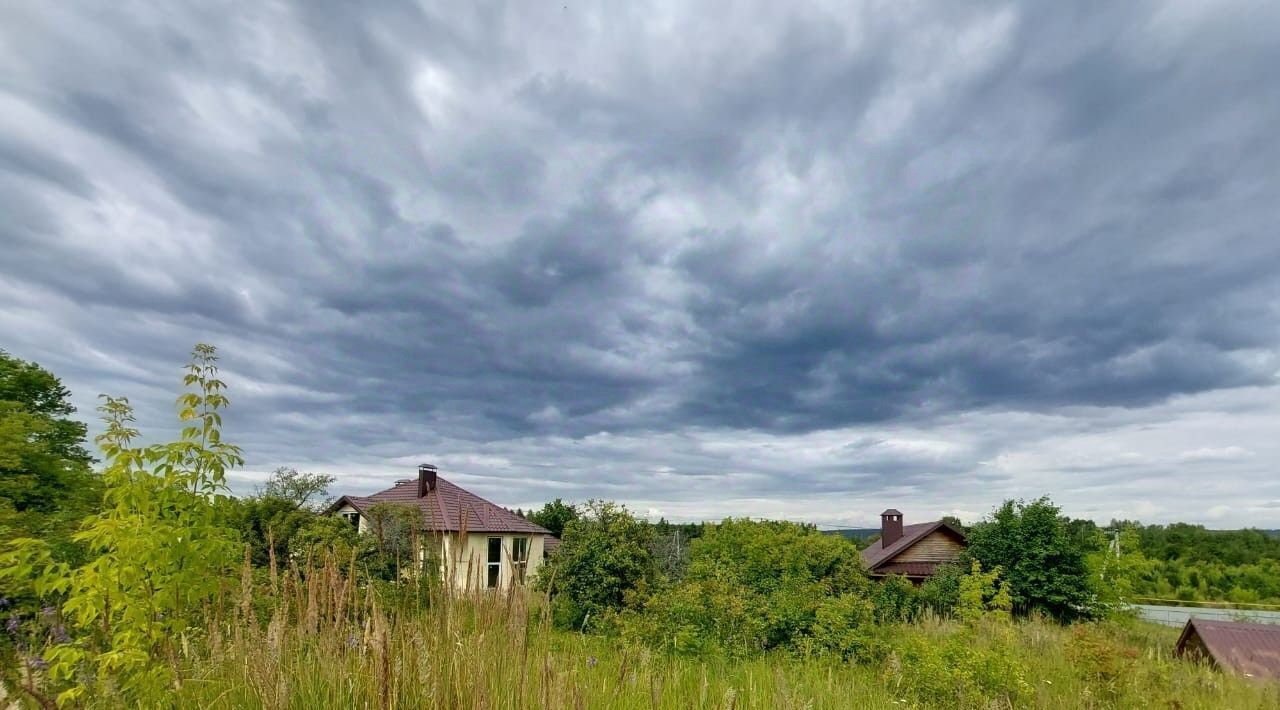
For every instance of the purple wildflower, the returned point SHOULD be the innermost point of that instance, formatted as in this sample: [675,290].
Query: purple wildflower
[49,611]
[591,661]
[4,602]
[38,663]
[60,634]
[352,641]
[12,625]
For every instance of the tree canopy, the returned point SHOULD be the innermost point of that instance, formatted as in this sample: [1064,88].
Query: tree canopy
[554,516]
[1040,561]
[46,483]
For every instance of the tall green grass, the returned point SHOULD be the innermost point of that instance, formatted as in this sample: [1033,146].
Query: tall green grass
[314,641]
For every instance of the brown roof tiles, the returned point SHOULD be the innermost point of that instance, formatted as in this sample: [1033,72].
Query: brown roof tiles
[447,508]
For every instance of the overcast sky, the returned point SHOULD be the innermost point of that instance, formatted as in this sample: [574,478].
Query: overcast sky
[803,262]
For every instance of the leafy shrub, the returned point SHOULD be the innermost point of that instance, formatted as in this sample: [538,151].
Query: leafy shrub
[704,617]
[983,596]
[959,671]
[322,535]
[159,551]
[844,626]
[941,592]
[764,585]
[895,599]
[766,556]
[603,565]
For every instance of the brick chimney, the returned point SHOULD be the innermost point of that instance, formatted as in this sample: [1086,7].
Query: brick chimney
[427,479]
[890,527]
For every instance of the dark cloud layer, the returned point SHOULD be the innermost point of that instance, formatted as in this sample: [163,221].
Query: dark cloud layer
[756,254]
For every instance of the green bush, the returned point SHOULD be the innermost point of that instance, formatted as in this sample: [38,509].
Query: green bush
[895,599]
[758,586]
[959,670]
[844,626]
[941,592]
[604,565]
[704,617]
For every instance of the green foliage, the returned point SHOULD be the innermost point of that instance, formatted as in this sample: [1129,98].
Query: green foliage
[305,491]
[983,596]
[159,550]
[604,565]
[46,485]
[940,593]
[962,669]
[765,556]
[324,535]
[703,617]
[1043,564]
[895,599]
[268,520]
[844,626]
[805,592]
[266,524]
[1191,563]
[554,516]
[394,533]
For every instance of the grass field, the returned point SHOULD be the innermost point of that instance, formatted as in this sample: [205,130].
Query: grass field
[500,653]
[317,641]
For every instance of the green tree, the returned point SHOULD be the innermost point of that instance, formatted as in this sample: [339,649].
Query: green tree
[159,549]
[325,535]
[603,566]
[268,520]
[306,491]
[807,590]
[554,516]
[46,484]
[1043,563]
[982,595]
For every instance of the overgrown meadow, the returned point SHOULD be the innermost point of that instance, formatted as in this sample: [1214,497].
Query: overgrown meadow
[169,594]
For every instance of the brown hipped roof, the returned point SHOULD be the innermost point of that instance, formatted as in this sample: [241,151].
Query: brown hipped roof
[1250,649]
[877,554]
[447,508]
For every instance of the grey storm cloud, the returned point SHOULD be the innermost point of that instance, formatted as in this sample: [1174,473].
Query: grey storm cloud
[770,260]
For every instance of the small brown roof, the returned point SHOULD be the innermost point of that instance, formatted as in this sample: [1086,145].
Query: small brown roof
[1246,648]
[447,508]
[550,543]
[877,554]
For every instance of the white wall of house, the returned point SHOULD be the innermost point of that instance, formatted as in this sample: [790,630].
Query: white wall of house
[465,560]
[346,512]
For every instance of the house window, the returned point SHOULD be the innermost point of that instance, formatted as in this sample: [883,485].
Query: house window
[353,518]
[519,557]
[494,567]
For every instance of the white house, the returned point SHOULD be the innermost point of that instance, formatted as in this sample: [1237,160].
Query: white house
[480,545]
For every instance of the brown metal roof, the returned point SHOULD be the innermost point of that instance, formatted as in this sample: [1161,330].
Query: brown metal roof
[448,508]
[1249,649]
[876,554]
